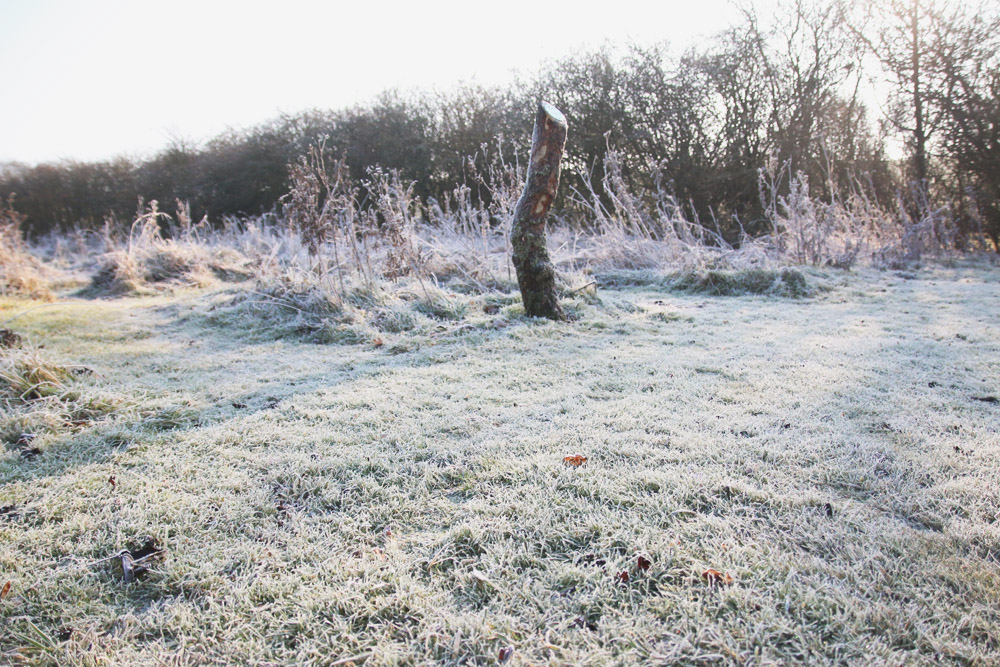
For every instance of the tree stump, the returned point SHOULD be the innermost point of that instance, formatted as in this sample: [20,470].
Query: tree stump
[536,276]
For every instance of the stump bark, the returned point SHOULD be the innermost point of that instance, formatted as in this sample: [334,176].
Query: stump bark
[536,276]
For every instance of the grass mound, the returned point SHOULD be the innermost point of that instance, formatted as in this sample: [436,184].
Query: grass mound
[147,262]
[167,264]
[38,396]
[785,282]
[313,308]
[26,376]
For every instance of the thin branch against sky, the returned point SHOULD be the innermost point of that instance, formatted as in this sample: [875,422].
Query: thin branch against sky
[97,79]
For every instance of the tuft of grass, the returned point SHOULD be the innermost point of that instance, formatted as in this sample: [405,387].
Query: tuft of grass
[25,375]
[148,262]
[165,265]
[785,282]
[441,306]
[20,272]
[40,398]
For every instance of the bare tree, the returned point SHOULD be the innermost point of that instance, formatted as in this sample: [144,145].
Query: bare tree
[898,33]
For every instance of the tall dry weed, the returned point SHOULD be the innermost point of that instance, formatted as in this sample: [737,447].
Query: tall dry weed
[20,272]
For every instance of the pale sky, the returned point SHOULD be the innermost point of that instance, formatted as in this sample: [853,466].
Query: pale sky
[92,79]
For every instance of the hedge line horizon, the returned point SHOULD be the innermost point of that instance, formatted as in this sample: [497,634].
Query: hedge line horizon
[708,124]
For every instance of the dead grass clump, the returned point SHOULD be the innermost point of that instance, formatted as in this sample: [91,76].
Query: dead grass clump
[298,303]
[168,264]
[295,303]
[786,282]
[20,272]
[149,262]
[38,396]
[26,376]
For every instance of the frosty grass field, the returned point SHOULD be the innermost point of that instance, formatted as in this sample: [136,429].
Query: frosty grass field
[405,500]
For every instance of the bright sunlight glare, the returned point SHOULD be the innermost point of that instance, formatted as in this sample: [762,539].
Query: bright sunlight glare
[88,81]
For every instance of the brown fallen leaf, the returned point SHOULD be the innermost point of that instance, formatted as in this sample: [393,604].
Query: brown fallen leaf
[622,577]
[5,590]
[112,481]
[481,580]
[714,577]
[9,339]
[504,654]
[378,342]
[575,460]
[644,563]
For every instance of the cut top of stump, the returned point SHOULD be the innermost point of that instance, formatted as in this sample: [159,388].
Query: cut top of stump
[554,114]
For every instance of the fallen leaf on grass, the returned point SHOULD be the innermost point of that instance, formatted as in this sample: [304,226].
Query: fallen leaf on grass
[504,654]
[112,481]
[644,563]
[482,580]
[378,342]
[986,399]
[622,577]
[5,590]
[9,339]
[714,577]
[575,460]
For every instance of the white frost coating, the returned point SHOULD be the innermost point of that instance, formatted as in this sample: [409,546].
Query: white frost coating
[554,113]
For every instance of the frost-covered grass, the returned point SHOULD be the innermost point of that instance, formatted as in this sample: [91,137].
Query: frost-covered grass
[407,502]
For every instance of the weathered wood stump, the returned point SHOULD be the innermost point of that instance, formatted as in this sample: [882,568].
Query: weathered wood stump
[536,276]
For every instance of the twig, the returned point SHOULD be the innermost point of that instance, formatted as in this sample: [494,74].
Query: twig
[580,289]
[359,656]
